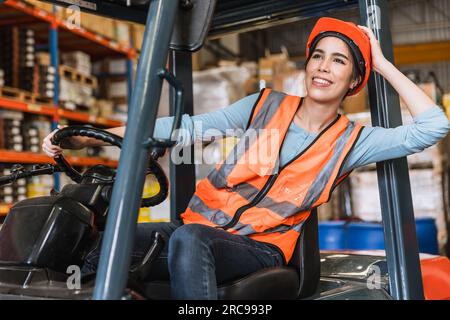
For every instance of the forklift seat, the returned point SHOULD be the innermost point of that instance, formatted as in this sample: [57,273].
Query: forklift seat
[298,279]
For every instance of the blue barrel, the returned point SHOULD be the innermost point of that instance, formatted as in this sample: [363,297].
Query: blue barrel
[427,235]
[364,236]
[332,235]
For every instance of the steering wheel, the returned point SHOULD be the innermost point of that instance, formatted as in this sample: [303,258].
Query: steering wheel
[105,136]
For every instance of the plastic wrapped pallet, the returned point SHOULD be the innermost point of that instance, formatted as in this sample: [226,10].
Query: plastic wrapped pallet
[110,66]
[426,190]
[76,93]
[117,89]
[291,82]
[78,60]
[218,88]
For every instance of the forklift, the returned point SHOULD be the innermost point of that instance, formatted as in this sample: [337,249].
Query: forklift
[66,224]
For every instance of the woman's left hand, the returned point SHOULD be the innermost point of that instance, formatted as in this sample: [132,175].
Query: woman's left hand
[378,59]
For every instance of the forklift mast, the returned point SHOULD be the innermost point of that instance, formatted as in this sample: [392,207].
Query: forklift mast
[176,28]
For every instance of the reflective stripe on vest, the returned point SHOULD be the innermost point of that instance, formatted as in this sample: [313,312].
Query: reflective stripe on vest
[267,202]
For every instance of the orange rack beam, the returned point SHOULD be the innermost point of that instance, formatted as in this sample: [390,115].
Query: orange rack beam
[27,107]
[29,157]
[84,117]
[54,111]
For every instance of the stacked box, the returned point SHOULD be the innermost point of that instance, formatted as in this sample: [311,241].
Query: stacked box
[122,32]
[26,59]
[39,186]
[14,192]
[12,135]
[74,95]
[11,130]
[6,55]
[111,66]
[43,58]
[79,61]
[46,85]
[17,57]
[137,34]
[105,108]
[31,141]
[35,129]
[116,89]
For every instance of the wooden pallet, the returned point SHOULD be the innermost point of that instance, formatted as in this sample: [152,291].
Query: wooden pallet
[74,75]
[23,96]
[11,93]
[42,100]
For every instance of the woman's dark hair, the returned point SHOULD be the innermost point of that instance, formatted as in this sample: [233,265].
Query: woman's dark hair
[357,74]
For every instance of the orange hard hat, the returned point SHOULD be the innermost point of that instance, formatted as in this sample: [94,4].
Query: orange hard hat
[354,37]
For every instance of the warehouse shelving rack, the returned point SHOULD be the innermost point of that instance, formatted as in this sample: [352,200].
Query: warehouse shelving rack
[59,34]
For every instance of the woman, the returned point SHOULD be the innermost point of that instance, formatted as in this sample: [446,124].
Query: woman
[247,215]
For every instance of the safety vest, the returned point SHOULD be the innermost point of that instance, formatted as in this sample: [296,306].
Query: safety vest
[261,199]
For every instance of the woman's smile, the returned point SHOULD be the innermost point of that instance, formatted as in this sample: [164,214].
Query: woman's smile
[321,82]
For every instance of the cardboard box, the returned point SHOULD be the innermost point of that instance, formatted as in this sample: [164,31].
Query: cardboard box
[118,89]
[291,82]
[100,25]
[111,66]
[105,108]
[43,58]
[122,33]
[78,60]
[272,65]
[137,35]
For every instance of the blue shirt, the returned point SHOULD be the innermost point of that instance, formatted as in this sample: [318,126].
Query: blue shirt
[374,144]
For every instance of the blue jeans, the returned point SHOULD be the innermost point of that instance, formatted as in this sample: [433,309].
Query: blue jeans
[196,258]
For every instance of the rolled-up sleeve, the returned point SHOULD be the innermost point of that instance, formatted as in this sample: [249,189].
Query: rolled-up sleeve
[378,144]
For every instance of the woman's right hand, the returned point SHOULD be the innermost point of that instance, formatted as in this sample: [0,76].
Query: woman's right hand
[71,143]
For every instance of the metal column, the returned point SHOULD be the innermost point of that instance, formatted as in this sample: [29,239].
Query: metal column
[130,79]
[401,244]
[54,57]
[182,176]
[120,229]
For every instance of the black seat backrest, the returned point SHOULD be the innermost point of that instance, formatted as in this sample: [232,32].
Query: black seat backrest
[306,257]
